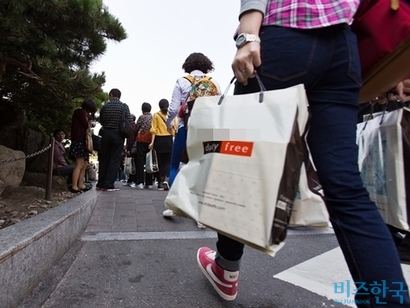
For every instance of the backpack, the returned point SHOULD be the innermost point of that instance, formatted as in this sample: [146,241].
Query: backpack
[200,86]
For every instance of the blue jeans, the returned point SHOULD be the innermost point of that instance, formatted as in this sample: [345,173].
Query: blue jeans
[177,150]
[326,61]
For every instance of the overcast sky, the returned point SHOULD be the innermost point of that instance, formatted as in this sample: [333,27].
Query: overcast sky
[161,34]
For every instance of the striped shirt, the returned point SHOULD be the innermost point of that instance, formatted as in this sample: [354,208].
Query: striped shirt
[307,14]
[111,114]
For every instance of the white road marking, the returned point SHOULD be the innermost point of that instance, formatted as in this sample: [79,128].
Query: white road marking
[319,273]
[168,235]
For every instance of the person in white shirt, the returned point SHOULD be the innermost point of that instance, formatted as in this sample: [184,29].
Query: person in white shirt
[196,65]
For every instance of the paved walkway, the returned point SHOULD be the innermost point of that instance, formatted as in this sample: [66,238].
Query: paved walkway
[130,256]
[134,210]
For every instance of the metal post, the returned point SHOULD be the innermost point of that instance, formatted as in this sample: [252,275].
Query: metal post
[50,169]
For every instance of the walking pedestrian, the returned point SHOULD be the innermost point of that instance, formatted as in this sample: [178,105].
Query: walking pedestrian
[298,42]
[144,137]
[112,142]
[162,142]
[129,143]
[198,66]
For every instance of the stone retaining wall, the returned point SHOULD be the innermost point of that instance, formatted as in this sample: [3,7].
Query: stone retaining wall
[30,248]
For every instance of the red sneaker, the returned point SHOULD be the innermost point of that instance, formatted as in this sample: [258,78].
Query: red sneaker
[223,281]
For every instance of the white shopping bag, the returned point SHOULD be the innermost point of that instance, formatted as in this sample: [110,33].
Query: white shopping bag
[129,167]
[151,162]
[384,162]
[245,158]
[309,208]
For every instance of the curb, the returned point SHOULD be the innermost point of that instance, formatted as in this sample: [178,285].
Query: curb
[29,248]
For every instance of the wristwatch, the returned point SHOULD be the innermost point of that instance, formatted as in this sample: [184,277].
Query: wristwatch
[245,38]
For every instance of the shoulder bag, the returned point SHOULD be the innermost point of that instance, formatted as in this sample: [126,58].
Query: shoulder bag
[89,141]
[125,125]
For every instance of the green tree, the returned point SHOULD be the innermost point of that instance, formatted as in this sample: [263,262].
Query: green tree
[46,49]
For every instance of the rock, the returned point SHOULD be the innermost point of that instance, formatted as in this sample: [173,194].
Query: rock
[11,173]
[18,136]
[40,180]
[33,212]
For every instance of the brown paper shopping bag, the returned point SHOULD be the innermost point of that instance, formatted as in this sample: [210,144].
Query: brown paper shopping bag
[245,158]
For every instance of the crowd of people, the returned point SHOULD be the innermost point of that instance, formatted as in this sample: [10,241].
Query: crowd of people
[164,132]
[148,133]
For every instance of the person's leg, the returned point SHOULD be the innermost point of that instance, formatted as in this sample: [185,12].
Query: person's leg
[176,156]
[358,226]
[140,162]
[82,174]
[177,149]
[131,179]
[79,162]
[64,171]
[332,81]
[161,165]
[166,163]
[103,157]
[148,180]
[115,157]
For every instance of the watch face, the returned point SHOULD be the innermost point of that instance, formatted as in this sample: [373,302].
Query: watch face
[240,40]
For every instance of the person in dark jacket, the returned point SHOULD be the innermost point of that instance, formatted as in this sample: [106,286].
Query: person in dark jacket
[78,151]
[112,142]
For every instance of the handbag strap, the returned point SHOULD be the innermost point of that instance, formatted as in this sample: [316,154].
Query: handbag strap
[159,114]
[123,112]
[173,123]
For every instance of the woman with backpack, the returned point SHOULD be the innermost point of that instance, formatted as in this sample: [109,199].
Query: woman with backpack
[197,66]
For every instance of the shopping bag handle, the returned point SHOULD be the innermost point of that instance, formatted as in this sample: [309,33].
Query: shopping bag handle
[261,86]
[398,99]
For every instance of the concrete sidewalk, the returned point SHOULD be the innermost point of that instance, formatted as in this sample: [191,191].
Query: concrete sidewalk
[130,256]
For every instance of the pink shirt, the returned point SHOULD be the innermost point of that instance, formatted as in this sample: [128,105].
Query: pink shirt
[309,14]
